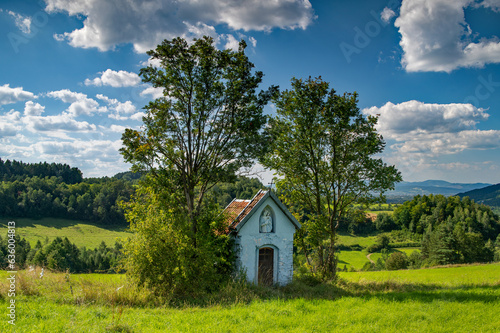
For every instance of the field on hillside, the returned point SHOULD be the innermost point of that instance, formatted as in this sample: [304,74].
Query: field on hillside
[456,299]
[81,233]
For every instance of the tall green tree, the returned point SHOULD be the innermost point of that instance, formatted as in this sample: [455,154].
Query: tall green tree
[205,127]
[207,124]
[323,149]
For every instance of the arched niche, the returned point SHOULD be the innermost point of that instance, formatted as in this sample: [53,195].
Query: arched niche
[267,220]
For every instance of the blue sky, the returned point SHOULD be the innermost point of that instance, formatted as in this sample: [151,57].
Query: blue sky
[431,69]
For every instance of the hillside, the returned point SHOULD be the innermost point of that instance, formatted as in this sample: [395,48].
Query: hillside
[406,190]
[489,195]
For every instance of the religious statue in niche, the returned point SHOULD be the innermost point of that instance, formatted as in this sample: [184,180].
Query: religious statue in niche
[266,221]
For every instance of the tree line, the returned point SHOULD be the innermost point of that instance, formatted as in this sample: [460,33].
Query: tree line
[62,255]
[37,197]
[450,230]
[17,170]
[90,199]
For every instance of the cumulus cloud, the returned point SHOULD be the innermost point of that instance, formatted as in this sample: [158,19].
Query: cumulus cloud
[436,37]
[80,104]
[7,129]
[450,143]
[422,129]
[117,106]
[153,92]
[22,22]
[387,14]
[147,23]
[56,123]
[138,116]
[92,150]
[115,79]
[33,109]
[10,95]
[493,4]
[398,121]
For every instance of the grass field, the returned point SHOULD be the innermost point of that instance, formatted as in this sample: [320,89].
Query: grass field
[363,241]
[78,232]
[455,299]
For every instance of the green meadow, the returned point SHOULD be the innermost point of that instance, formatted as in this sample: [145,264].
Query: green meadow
[450,299]
[81,233]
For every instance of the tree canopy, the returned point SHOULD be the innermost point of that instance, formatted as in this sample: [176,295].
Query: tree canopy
[322,148]
[206,126]
[204,129]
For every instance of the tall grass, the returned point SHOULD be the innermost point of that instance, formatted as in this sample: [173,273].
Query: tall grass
[453,299]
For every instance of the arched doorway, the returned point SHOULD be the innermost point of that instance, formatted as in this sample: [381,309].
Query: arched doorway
[266,266]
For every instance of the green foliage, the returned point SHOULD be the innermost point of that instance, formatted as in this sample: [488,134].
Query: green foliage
[241,188]
[395,261]
[205,128]
[36,197]
[16,170]
[489,195]
[322,148]
[424,212]
[62,255]
[160,254]
[384,222]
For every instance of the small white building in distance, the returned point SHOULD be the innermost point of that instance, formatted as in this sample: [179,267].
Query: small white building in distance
[263,229]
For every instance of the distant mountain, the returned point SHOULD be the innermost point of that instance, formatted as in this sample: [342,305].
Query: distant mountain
[489,195]
[410,189]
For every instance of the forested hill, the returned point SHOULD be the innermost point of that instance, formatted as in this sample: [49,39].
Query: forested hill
[57,190]
[15,170]
[489,195]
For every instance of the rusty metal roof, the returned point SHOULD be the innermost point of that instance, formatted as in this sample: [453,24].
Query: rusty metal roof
[238,209]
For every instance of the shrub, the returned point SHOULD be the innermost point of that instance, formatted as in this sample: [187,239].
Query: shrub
[396,260]
[163,254]
[415,260]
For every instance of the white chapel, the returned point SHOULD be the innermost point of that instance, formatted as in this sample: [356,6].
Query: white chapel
[263,229]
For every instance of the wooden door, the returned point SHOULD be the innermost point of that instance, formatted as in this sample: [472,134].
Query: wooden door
[266,266]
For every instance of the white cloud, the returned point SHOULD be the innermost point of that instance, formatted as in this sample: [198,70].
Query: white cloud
[493,4]
[138,116]
[387,14]
[33,109]
[231,42]
[153,92]
[126,107]
[117,128]
[56,123]
[436,144]
[436,37]
[146,23]
[120,108]
[401,121]
[10,95]
[115,79]
[7,129]
[253,41]
[419,133]
[22,22]
[80,103]
[96,152]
